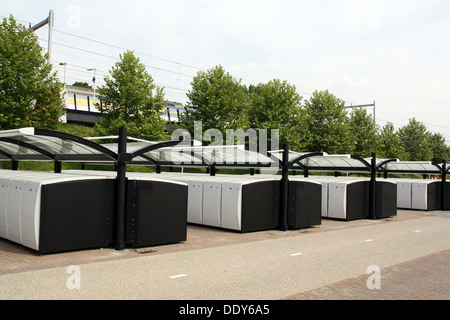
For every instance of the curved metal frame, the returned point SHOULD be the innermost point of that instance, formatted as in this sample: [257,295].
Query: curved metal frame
[69,137]
[364,162]
[41,151]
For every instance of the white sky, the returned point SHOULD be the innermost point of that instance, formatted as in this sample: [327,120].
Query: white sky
[396,53]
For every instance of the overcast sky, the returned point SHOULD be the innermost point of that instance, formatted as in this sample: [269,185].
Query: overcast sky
[396,53]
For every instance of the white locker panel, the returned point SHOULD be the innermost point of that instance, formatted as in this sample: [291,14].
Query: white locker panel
[212,202]
[337,200]
[4,192]
[419,195]
[404,194]
[13,214]
[324,198]
[195,201]
[30,219]
[231,205]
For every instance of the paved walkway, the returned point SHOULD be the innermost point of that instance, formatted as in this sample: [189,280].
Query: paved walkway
[416,269]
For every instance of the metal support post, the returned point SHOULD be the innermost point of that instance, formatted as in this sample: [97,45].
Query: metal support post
[57,167]
[444,187]
[373,187]
[306,173]
[284,189]
[119,217]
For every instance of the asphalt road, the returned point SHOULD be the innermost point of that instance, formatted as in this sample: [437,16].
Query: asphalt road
[259,270]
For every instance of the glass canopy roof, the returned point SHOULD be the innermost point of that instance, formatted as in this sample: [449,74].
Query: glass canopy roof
[43,145]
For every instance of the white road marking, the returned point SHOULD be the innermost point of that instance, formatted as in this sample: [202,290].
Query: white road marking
[296,254]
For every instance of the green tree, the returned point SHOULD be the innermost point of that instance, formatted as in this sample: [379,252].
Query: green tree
[277,105]
[438,147]
[390,147]
[131,99]
[364,132]
[218,100]
[30,94]
[414,139]
[327,124]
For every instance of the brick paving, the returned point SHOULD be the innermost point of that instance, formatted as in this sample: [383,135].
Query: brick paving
[425,278]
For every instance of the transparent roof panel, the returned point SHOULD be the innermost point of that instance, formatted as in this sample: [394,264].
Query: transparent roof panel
[333,161]
[411,166]
[292,154]
[30,143]
[131,146]
[214,155]
[325,161]
[14,150]
[57,146]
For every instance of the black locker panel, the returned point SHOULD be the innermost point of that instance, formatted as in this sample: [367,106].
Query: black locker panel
[447,195]
[76,215]
[434,191]
[156,213]
[260,206]
[358,200]
[386,200]
[304,204]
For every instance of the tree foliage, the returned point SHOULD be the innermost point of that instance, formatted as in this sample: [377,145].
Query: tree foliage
[30,94]
[218,100]
[321,123]
[131,99]
[327,124]
[364,132]
[414,139]
[389,144]
[440,150]
[277,105]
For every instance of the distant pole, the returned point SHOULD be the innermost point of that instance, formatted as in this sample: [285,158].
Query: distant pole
[50,20]
[364,106]
[374,119]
